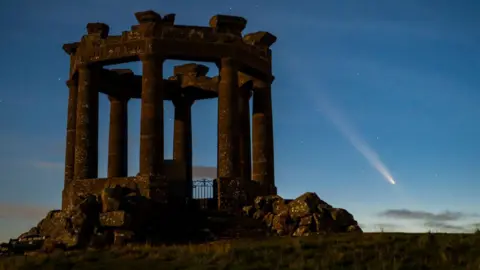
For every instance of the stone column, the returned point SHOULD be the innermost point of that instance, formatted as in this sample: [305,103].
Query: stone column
[244,131]
[182,138]
[118,137]
[71,127]
[227,115]
[151,122]
[262,137]
[230,190]
[86,139]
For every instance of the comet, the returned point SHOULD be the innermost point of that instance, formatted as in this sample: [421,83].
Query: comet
[347,131]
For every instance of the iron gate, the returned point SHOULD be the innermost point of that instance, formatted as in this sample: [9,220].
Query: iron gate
[205,192]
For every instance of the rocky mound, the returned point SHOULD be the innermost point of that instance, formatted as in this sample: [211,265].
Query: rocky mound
[305,215]
[120,215]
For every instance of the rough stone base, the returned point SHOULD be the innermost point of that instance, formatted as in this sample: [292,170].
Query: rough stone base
[231,194]
[255,189]
[152,187]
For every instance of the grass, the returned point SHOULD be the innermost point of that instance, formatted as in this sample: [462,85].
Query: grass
[388,251]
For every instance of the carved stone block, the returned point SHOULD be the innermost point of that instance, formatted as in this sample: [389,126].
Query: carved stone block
[261,38]
[228,24]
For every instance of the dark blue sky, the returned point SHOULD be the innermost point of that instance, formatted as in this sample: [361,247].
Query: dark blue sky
[395,80]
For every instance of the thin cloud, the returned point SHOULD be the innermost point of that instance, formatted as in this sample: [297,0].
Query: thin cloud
[443,226]
[386,227]
[48,165]
[198,171]
[424,215]
[19,211]
[204,172]
[475,225]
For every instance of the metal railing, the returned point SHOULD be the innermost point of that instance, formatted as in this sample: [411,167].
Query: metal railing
[205,192]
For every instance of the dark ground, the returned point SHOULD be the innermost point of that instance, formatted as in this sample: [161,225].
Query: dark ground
[340,251]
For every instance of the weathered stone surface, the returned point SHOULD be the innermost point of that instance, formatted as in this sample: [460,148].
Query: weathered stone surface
[191,69]
[73,227]
[32,231]
[228,24]
[248,210]
[354,228]
[301,231]
[259,214]
[268,219]
[306,221]
[261,38]
[342,218]
[148,16]
[300,217]
[262,138]
[323,221]
[71,131]
[114,219]
[306,204]
[280,207]
[86,125]
[50,245]
[151,119]
[111,198]
[231,194]
[280,224]
[118,137]
[228,143]
[266,203]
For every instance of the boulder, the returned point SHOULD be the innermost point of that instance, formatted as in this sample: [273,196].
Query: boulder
[280,224]
[32,231]
[323,223]
[58,225]
[268,219]
[248,210]
[114,219]
[72,227]
[342,217]
[305,215]
[266,203]
[301,231]
[259,214]
[307,221]
[280,207]
[354,228]
[305,205]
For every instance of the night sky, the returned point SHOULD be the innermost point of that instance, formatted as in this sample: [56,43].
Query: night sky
[364,91]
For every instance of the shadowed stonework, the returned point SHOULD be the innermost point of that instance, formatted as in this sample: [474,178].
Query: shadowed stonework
[244,64]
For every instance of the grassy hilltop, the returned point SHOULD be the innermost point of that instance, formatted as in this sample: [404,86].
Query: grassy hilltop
[337,251]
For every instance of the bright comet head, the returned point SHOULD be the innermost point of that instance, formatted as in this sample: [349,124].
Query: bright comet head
[391,181]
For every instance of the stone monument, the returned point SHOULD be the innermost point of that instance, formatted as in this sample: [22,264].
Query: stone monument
[245,71]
